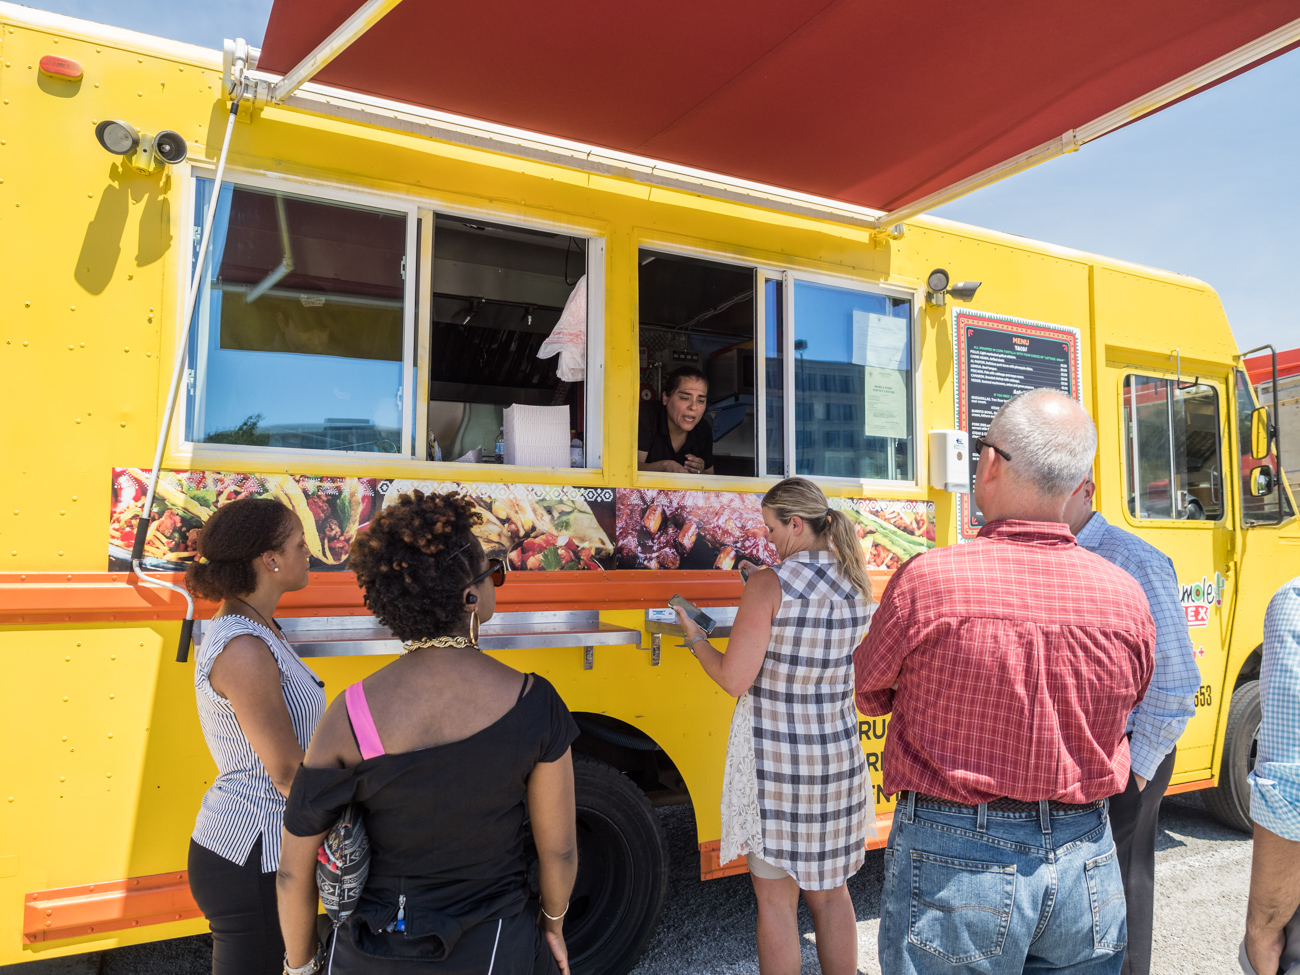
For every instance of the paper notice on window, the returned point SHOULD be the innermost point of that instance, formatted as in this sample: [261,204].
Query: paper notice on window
[886,402]
[880,341]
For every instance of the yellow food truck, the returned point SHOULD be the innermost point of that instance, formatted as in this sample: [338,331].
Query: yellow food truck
[332,296]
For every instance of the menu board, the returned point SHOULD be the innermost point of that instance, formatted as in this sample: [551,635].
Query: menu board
[996,357]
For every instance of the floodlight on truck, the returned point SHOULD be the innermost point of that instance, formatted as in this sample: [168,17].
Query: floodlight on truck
[144,152]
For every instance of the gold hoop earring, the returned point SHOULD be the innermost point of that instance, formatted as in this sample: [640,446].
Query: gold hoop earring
[473,626]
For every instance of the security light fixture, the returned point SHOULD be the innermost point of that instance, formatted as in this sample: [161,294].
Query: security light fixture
[170,147]
[938,288]
[117,137]
[144,152]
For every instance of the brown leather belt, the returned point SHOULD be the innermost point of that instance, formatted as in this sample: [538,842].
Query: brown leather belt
[1007,805]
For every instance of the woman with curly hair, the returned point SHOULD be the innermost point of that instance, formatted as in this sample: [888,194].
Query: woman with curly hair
[451,757]
[258,704]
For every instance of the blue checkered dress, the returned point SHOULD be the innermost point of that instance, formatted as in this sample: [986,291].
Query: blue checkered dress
[1275,783]
[1158,721]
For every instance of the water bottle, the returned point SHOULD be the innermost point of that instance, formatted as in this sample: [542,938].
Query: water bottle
[499,451]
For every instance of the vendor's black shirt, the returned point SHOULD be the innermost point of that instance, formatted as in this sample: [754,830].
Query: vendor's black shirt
[652,436]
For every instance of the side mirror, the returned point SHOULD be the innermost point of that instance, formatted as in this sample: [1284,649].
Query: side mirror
[1261,481]
[1259,433]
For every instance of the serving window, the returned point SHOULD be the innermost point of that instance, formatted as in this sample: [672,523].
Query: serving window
[507,345]
[301,324]
[334,323]
[844,353]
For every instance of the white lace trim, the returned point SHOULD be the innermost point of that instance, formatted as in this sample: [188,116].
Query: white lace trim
[742,828]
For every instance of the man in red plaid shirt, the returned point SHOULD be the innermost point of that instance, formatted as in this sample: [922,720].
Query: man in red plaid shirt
[1010,665]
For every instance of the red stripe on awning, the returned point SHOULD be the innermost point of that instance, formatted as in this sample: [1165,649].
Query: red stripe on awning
[870,103]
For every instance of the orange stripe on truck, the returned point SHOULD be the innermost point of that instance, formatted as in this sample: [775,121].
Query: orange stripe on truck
[67,597]
[73,912]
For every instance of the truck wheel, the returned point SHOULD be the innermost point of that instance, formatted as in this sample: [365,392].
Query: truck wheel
[1229,801]
[622,872]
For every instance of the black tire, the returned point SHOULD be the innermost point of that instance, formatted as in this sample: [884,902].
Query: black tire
[1229,801]
[622,872]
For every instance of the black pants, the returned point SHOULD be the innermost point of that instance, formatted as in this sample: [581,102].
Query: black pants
[1135,821]
[239,903]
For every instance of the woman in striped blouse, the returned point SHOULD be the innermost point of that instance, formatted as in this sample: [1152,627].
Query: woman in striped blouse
[258,704]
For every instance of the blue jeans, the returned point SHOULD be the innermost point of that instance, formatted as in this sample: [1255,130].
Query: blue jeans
[995,892]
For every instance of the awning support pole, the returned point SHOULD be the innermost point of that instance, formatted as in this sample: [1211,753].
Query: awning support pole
[178,371]
[1190,83]
[366,16]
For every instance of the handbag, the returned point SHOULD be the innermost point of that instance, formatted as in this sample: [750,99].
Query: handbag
[343,865]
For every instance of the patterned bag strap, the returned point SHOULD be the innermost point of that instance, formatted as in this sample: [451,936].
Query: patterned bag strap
[363,725]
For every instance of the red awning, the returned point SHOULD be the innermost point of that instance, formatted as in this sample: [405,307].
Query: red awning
[872,103]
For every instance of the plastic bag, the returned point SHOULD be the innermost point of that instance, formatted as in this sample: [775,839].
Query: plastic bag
[569,337]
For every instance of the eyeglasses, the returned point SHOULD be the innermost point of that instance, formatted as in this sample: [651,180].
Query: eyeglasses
[496,569]
[981,443]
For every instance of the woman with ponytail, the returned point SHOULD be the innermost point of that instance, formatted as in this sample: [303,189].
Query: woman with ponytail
[796,794]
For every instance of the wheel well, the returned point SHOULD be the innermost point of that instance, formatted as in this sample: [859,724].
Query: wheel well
[1250,668]
[634,753]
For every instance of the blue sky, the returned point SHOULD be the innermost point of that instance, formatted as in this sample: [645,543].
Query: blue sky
[1206,188]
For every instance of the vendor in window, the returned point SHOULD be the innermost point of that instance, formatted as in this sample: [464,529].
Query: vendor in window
[673,436]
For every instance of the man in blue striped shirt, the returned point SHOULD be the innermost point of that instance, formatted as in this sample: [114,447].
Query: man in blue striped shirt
[1155,724]
[1275,796]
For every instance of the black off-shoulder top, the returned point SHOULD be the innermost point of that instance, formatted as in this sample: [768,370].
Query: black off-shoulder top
[446,823]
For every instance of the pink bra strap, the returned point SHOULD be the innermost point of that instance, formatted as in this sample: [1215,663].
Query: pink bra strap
[363,725]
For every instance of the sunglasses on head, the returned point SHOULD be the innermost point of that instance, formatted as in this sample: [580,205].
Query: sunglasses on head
[496,569]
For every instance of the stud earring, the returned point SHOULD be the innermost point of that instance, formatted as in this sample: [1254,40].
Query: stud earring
[275,568]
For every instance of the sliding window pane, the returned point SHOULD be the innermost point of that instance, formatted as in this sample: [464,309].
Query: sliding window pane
[773,340]
[298,337]
[853,384]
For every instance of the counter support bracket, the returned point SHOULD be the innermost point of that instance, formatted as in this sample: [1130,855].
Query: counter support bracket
[588,658]
[655,640]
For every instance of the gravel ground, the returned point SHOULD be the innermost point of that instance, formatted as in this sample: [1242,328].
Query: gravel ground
[1202,874]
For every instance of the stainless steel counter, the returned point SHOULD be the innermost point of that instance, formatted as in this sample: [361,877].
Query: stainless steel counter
[359,636]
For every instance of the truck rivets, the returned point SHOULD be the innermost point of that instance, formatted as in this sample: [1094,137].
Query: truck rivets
[123,423]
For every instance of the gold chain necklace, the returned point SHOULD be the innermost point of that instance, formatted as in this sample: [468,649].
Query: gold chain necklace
[459,642]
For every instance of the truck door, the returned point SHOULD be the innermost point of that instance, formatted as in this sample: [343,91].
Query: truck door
[1172,493]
